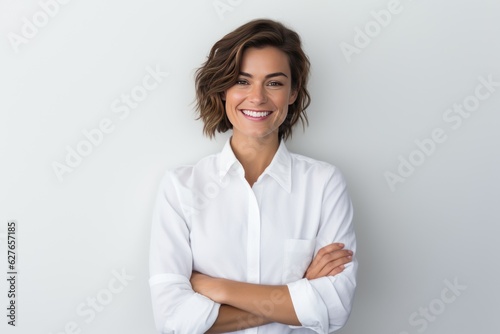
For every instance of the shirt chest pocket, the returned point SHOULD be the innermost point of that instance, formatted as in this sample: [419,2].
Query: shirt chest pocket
[298,255]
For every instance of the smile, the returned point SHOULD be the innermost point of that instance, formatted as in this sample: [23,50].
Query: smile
[256,114]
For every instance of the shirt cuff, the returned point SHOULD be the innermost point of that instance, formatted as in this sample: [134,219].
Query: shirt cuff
[305,302]
[184,321]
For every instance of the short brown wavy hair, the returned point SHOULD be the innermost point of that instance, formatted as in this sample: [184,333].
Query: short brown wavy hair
[222,68]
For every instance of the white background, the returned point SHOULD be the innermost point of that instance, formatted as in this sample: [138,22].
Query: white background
[440,224]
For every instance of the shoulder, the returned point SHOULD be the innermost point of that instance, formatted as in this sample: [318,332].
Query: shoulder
[315,172]
[186,174]
[305,164]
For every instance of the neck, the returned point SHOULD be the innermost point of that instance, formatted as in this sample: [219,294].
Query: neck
[255,154]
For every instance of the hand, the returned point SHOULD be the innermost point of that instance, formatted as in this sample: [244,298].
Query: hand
[329,261]
[208,286]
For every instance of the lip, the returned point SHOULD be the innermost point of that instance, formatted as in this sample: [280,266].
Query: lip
[260,118]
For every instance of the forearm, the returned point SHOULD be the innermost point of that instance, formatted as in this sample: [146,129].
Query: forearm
[262,304]
[232,319]
[269,302]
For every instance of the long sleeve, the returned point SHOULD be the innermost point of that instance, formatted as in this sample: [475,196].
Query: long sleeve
[176,307]
[323,305]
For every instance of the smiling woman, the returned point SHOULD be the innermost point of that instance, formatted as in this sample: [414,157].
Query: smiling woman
[273,247]
[223,68]
[258,103]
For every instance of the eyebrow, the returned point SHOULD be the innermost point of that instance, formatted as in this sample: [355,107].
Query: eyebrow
[270,75]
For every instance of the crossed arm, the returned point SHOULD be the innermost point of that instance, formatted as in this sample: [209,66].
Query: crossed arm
[246,305]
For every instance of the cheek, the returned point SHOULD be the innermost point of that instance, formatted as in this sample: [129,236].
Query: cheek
[283,99]
[234,96]
[283,104]
[281,116]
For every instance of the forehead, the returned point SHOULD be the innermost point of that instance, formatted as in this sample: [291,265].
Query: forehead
[265,60]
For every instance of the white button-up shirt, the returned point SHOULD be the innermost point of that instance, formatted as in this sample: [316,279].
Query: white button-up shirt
[207,218]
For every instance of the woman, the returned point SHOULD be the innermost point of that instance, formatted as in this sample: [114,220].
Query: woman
[254,236]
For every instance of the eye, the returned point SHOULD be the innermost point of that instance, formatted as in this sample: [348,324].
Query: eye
[275,83]
[241,82]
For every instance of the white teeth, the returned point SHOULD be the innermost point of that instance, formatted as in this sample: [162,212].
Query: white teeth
[256,113]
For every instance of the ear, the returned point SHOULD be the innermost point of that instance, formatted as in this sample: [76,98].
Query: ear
[293,97]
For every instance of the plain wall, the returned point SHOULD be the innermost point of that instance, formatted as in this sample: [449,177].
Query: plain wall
[401,104]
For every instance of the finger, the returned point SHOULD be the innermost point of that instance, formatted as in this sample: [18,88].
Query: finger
[324,255]
[331,258]
[336,271]
[317,266]
[326,268]
[328,251]
[324,251]
[331,248]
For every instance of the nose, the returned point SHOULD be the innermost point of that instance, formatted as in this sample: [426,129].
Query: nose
[257,95]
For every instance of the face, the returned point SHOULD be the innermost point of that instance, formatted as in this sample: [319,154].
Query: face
[258,102]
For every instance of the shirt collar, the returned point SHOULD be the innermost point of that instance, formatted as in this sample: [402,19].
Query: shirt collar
[227,159]
[280,168]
